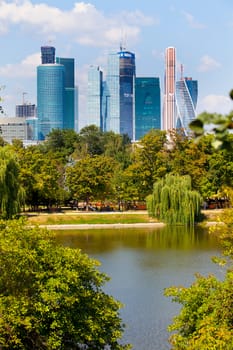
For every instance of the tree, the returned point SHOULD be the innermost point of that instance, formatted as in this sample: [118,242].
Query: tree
[151,160]
[206,317]
[90,178]
[51,297]
[61,141]
[11,193]
[173,201]
[42,176]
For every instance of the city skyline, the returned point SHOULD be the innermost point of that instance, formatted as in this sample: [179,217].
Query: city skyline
[89,31]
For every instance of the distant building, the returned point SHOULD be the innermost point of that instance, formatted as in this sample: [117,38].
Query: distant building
[186,97]
[56,93]
[147,105]
[70,106]
[15,128]
[169,103]
[120,93]
[48,54]
[50,98]
[95,97]
[25,110]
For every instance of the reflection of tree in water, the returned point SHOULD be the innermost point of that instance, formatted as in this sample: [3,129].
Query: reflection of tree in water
[107,240]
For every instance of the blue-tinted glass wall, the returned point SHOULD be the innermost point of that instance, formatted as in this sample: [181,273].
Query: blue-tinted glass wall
[94,97]
[120,92]
[50,98]
[70,93]
[186,99]
[147,105]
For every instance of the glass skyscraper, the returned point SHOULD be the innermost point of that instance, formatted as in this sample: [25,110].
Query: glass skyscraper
[50,98]
[186,99]
[120,81]
[147,105]
[70,92]
[47,54]
[95,97]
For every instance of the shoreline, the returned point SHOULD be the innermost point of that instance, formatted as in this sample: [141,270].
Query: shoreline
[98,226]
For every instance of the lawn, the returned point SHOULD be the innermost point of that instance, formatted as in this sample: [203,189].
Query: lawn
[88,218]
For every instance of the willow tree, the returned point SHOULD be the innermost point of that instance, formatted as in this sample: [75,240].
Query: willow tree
[173,201]
[11,192]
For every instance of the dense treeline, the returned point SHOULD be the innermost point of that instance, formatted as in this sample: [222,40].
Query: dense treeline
[96,166]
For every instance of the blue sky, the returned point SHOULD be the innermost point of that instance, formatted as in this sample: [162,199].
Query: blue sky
[201,31]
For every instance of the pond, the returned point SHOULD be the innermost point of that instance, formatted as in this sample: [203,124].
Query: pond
[141,264]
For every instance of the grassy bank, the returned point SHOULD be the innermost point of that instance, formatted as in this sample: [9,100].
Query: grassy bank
[76,218]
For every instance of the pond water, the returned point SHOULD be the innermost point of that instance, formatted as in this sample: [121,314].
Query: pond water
[141,264]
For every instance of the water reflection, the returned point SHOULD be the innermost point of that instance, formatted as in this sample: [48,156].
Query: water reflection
[141,263]
[168,237]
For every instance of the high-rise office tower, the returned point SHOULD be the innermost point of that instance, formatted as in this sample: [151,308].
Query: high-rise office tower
[95,97]
[120,92]
[47,54]
[25,110]
[70,109]
[186,96]
[169,103]
[147,105]
[50,98]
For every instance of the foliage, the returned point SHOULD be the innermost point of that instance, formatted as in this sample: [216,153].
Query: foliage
[52,297]
[216,124]
[150,160]
[42,176]
[206,317]
[61,141]
[90,178]
[11,193]
[173,201]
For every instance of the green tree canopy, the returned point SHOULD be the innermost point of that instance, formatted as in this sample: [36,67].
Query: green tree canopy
[51,297]
[173,201]
[91,178]
[11,193]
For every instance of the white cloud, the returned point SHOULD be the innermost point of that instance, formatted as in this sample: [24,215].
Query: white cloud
[25,69]
[208,63]
[84,23]
[192,21]
[215,104]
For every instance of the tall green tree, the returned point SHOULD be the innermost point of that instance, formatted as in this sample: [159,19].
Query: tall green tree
[173,201]
[11,192]
[51,297]
[91,178]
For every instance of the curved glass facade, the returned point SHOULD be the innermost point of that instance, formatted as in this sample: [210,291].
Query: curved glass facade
[50,98]
[186,99]
[147,105]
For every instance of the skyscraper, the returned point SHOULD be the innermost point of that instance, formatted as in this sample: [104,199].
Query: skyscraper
[169,103]
[50,98]
[186,96]
[70,113]
[25,110]
[147,105]
[95,97]
[120,91]
[47,54]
